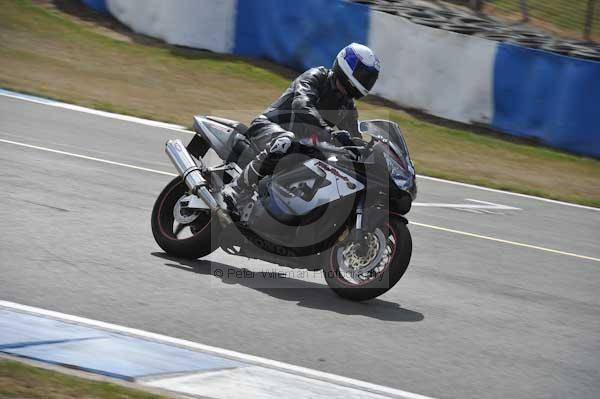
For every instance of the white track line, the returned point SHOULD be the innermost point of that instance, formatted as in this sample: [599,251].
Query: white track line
[88,158]
[105,114]
[58,104]
[464,233]
[493,190]
[273,364]
[480,205]
[415,223]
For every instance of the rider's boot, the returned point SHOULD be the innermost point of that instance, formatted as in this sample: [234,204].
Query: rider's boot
[263,165]
[244,186]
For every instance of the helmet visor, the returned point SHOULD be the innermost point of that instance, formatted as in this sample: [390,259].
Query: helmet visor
[366,75]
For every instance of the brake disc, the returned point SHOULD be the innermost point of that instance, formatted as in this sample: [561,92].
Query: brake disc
[358,268]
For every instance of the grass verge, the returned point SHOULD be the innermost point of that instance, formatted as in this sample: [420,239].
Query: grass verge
[18,381]
[92,62]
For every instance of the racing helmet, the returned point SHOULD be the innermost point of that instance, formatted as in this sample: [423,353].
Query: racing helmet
[357,68]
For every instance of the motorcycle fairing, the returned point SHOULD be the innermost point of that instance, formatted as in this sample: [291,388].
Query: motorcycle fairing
[225,140]
[398,162]
[327,184]
[216,134]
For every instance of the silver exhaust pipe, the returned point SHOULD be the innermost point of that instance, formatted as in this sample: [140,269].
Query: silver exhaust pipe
[192,176]
[185,164]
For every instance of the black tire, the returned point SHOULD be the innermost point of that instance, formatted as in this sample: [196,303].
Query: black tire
[382,281]
[196,246]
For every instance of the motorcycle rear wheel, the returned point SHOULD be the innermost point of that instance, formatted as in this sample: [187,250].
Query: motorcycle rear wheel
[168,233]
[390,249]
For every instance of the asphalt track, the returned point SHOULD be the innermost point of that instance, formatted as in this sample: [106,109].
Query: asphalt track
[497,302]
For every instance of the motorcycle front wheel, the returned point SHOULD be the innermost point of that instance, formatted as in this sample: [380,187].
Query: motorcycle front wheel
[188,237]
[363,275]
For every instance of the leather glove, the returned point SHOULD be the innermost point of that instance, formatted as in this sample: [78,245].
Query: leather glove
[343,137]
[327,134]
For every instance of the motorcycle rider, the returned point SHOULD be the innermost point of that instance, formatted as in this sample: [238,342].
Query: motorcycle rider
[313,104]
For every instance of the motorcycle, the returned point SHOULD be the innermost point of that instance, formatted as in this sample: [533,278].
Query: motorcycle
[336,207]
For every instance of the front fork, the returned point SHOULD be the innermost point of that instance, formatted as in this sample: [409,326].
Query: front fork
[359,236]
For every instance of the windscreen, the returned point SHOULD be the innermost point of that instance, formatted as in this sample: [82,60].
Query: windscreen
[386,129]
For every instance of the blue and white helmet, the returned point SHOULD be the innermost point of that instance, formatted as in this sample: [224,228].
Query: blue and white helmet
[357,67]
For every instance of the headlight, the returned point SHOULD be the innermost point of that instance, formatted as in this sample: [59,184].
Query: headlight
[403,177]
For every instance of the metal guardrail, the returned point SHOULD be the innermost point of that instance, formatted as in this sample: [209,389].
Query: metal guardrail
[513,21]
[575,18]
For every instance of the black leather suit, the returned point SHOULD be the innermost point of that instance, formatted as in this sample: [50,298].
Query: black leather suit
[312,104]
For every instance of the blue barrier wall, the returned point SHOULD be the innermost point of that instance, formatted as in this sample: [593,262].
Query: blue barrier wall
[549,97]
[530,93]
[299,34]
[97,5]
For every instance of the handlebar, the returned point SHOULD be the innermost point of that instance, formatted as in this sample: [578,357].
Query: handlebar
[348,147]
